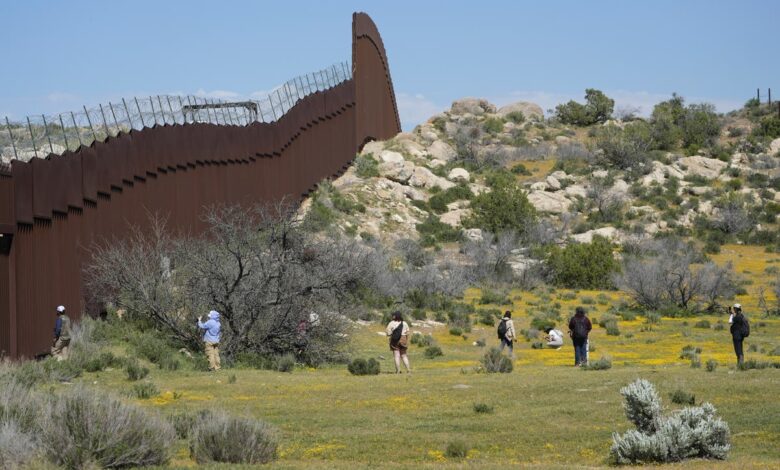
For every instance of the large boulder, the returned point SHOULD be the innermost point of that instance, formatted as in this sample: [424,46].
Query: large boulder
[529,110]
[472,234]
[388,156]
[441,150]
[473,106]
[610,233]
[454,217]
[553,183]
[697,165]
[544,201]
[373,147]
[459,174]
[774,147]
[424,178]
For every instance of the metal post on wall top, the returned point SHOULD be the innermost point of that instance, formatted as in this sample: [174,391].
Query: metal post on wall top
[11,135]
[32,137]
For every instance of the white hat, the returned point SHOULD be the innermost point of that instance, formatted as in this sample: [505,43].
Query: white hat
[61,308]
[738,306]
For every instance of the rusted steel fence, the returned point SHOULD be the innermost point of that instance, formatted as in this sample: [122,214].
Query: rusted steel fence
[52,210]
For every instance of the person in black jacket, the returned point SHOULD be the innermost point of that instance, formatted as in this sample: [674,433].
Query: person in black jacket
[738,328]
[579,328]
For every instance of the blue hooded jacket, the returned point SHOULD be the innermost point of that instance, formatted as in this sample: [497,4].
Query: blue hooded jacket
[212,327]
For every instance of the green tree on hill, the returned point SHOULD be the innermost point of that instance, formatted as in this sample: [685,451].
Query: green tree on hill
[583,265]
[598,108]
[506,207]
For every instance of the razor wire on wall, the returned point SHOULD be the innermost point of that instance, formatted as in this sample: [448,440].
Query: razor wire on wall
[42,135]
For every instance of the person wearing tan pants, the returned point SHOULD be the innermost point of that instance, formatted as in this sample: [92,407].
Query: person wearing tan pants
[212,329]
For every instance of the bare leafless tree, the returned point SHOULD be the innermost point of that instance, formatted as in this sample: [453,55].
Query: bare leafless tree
[607,202]
[271,281]
[670,272]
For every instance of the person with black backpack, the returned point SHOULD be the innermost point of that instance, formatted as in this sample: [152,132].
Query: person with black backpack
[398,332]
[740,329]
[579,328]
[506,333]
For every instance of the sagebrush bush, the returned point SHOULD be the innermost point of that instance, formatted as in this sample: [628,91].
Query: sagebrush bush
[433,352]
[712,364]
[82,427]
[231,439]
[689,352]
[602,363]
[19,405]
[457,450]
[693,432]
[683,397]
[361,366]
[285,363]
[493,361]
[62,371]
[134,370]
[102,361]
[702,324]
[144,391]
[17,448]
[421,340]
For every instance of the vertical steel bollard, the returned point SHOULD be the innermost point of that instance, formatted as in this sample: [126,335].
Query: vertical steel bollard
[76,126]
[105,121]
[154,115]
[46,133]
[32,137]
[64,134]
[127,112]
[140,113]
[162,110]
[173,116]
[11,135]
[94,136]
[189,101]
[113,114]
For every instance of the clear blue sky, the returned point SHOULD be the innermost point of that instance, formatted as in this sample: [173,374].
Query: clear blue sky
[57,56]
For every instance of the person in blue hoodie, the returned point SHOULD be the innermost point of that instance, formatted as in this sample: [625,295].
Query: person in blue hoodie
[211,338]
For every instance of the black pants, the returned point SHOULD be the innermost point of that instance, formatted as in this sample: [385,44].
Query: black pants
[738,348]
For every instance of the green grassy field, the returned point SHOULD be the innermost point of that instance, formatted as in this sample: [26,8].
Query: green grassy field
[547,414]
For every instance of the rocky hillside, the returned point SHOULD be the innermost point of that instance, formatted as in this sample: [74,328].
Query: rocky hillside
[420,185]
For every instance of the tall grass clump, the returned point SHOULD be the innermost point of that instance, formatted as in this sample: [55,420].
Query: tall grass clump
[493,361]
[692,432]
[85,428]
[231,439]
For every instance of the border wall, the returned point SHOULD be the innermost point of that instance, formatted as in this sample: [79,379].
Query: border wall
[53,209]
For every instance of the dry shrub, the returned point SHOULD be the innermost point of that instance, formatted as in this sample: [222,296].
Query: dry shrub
[230,439]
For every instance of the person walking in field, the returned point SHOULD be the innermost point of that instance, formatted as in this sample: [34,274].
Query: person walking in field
[211,336]
[398,333]
[506,333]
[59,349]
[740,329]
[554,338]
[579,328]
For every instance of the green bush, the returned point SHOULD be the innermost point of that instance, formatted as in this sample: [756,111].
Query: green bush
[455,331]
[232,439]
[85,428]
[150,347]
[598,109]
[457,450]
[169,362]
[541,323]
[361,366]
[712,364]
[754,364]
[284,363]
[62,371]
[506,207]
[488,316]
[702,324]
[689,352]
[366,166]
[433,231]
[495,297]
[583,265]
[520,169]
[421,340]
[768,128]
[493,125]
[683,397]
[493,361]
[134,370]
[432,352]
[103,360]
[516,117]
[438,202]
[482,408]
[612,329]
[144,390]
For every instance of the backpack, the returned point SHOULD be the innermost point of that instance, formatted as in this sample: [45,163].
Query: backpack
[580,329]
[501,329]
[395,336]
[745,327]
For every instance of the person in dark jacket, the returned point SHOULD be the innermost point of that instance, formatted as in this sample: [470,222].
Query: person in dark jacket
[579,328]
[737,329]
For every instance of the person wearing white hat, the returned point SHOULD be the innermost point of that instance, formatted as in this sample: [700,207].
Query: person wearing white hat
[211,338]
[59,349]
[740,329]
